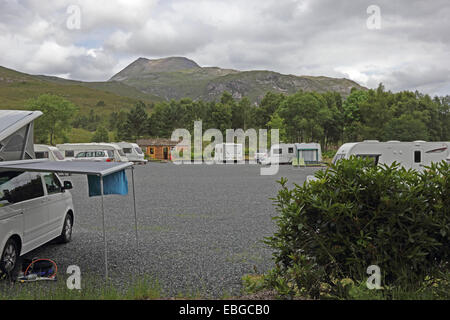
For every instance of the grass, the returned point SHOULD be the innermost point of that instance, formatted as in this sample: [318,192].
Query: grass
[92,288]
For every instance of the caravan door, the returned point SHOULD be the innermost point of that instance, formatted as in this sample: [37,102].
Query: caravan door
[417,158]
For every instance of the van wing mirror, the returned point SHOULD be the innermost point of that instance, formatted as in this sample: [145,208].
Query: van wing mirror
[67,185]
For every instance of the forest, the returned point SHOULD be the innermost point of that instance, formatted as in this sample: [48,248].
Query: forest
[327,118]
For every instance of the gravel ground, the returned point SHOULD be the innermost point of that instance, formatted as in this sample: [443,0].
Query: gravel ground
[200,227]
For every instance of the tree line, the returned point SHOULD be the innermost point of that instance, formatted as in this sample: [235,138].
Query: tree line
[327,118]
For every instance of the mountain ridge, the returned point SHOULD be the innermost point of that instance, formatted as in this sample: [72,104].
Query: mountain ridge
[180,77]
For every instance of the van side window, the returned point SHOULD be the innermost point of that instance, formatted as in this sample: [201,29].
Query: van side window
[53,184]
[81,155]
[417,156]
[99,154]
[16,187]
[110,153]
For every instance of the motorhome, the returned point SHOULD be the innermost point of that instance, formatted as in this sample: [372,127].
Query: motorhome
[43,151]
[311,153]
[93,151]
[34,207]
[132,151]
[282,153]
[228,152]
[415,155]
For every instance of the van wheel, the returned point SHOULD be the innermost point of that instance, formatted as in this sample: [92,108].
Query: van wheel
[9,257]
[66,234]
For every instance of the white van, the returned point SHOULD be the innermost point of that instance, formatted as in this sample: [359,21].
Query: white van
[415,155]
[280,153]
[228,152]
[43,151]
[34,209]
[132,151]
[93,151]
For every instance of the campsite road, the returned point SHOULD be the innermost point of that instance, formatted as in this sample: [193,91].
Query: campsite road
[200,227]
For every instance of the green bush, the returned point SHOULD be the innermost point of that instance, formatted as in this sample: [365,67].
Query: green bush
[356,215]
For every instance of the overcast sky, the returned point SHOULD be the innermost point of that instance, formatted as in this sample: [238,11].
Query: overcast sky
[408,48]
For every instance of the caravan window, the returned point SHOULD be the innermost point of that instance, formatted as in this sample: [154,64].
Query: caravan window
[291,150]
[127,150]
[70,153]
[58,155]
[110,153]
[417,156]
[277,151]
[374,157]
[138,150]
[41,155]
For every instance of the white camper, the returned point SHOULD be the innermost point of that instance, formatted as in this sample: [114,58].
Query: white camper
[280,153]
[415,155]
[43,151]
[93,151]
[228,152]
[132,151]
[311,153]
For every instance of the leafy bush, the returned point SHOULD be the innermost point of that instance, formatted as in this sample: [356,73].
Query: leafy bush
[356,215]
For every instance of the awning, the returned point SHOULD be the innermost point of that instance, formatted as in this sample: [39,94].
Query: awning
[73,167]
[90,168]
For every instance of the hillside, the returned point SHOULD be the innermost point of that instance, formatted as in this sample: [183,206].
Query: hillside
[178,77]
[17,88]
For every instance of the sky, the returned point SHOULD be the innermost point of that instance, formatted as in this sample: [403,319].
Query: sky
[404,44]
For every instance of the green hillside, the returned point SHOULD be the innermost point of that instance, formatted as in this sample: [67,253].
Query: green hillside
[17,88]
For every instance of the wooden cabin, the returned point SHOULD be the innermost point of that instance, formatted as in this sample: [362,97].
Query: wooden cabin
[159,148]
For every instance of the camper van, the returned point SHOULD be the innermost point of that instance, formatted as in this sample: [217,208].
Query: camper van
[415,155]
[280,153]
[34,207]
[93,151]
[311,153]
[43,151]
[228,152]
[132,151]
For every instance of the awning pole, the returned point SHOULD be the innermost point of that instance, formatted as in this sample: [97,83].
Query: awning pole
[135,220]
[104,229]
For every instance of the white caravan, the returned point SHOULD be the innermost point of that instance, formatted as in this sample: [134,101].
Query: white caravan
[311,153]
[280,153]
[132,151]
[228,152]
[43,151]
[93,151]
[415,155]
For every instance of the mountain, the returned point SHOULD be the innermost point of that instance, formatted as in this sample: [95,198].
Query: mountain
[179,77]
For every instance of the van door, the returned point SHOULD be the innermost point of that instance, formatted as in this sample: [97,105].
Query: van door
[26,191]
[56,203]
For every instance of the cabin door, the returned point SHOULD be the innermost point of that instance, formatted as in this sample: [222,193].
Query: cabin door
[166,153]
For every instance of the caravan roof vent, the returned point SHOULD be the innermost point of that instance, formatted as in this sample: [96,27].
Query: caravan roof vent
[372,141]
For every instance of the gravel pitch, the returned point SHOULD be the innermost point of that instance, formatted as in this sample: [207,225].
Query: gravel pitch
[200,227]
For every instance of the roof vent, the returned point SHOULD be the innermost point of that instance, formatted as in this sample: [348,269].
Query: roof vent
[372,141]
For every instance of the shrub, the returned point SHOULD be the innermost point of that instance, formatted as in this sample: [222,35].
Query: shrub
[356,215]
